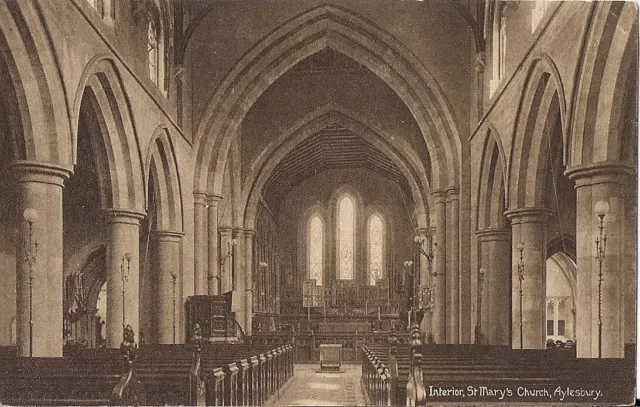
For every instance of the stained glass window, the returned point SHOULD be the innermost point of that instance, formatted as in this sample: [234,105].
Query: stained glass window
[502,41]
[376,248]
[346,237]
[152,49]
[316,235]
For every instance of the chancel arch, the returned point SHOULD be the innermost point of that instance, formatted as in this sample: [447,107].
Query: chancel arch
[400,153]
[325,26]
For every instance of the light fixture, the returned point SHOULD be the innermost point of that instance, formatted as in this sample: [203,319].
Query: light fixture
[520,248]
[124,276]
[30,257]
[601,209]
[230,248]
[263,264]
[174,277]
[481,273]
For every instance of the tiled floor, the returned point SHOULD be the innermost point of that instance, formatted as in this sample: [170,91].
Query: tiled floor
[308,388]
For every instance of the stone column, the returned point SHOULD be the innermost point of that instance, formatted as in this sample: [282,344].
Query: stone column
[496,290]
[123,228]
[439,321]
[453,269]
[248,281]
[213,277]
[239,258]
[601,182]
[39,187]
[165,264]
[225,259]
[200,244]
[529,228]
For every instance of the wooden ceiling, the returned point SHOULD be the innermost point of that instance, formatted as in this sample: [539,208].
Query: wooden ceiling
[333,147]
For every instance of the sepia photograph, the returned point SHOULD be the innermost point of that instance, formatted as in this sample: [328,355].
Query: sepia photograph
[318,202]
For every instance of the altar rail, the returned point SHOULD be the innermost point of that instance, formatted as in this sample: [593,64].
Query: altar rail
[306,345]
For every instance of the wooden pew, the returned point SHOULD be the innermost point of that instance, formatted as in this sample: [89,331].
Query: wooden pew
[101,380]
[451,366]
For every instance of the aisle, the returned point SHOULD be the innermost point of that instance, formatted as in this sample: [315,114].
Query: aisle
[308,388]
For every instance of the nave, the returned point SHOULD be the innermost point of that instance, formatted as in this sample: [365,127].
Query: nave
[293,176]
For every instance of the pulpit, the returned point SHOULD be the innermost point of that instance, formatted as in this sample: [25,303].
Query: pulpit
[213,314]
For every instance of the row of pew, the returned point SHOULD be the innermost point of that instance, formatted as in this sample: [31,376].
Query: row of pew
[193,374]
[419,374]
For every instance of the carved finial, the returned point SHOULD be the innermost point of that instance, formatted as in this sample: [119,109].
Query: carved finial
[415,335]
[128,347]
[197,334]
[393,341]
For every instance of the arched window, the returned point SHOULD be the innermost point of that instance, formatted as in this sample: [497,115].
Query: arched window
[154,52]
[346,237]
[376,237]
[539,10]
[499,45]
[502,43]
[316,249]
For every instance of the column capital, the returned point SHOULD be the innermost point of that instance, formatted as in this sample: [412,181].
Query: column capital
[528,215]
[35,171]
[167,235]
[493,234]
[118,215]
[238,232]
[601,172]
[439,195]
[199,198]
[249,232]
[452,191]
[213,199]
[225,230]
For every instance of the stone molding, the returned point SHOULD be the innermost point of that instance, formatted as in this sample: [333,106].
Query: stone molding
[40,172]
[528,215]
[493,234]
[128,216]
[602,172]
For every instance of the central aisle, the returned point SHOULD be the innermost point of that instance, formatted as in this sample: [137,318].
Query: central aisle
[308,388]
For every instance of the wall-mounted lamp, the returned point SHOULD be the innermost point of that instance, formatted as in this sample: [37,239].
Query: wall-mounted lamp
[230,245]
[174,277]
[520,248]
[602,210]
[481,275]
[30,257]
[124,276]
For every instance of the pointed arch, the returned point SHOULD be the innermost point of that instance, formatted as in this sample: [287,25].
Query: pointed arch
[541,107]
[316,253]
[100,98]
[492,184]
[403,155]
[300,37]
[39,124]
[162,171]
[610,54]
[347,214]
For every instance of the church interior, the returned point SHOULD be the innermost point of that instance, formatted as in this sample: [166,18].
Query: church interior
[202,198]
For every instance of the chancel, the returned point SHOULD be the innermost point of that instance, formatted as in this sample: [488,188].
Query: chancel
[338,202]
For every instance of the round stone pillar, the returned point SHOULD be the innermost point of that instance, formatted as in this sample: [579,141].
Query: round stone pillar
[213,274]
[165,267]
[608,182]
[528,227]
[123,228]
[495,317]
[248,281]
[453,270]
[39,187]
[439,321]
[200,244]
